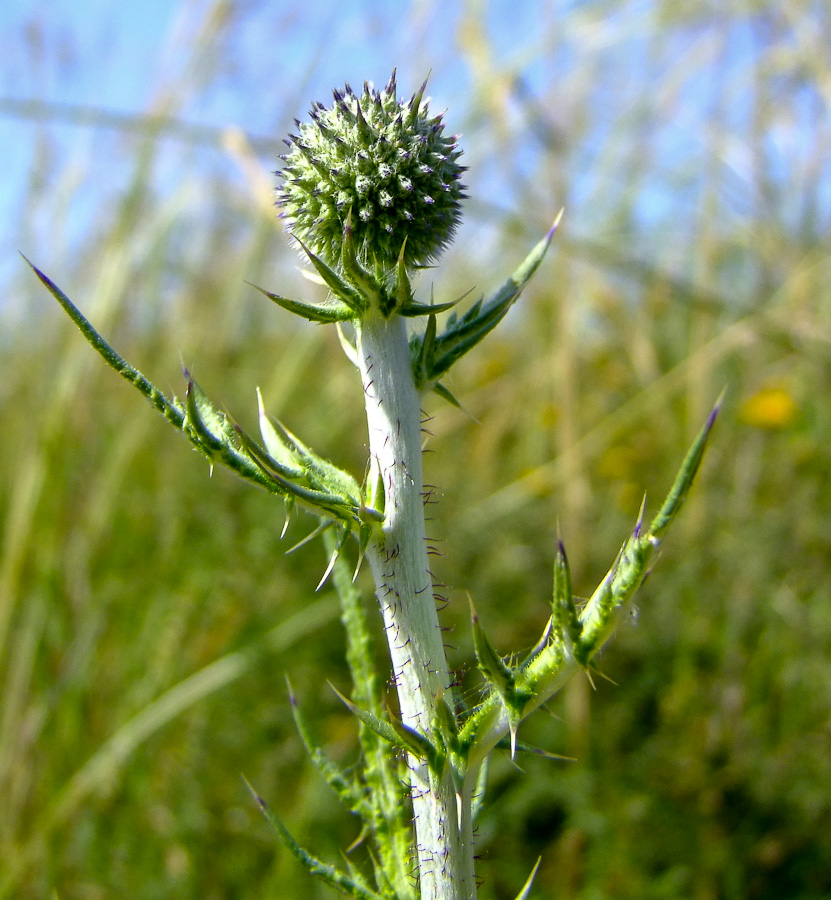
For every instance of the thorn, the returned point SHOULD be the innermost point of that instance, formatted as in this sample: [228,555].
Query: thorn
[289,506]
[319,530]
[328,572]
[639,523]
[257,798]
[712,417]
[604,676]
[292,697]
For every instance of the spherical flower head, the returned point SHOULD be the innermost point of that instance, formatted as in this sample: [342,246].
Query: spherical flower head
[378,166]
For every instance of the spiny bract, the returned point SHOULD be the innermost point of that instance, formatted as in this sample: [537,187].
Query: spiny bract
[378,164]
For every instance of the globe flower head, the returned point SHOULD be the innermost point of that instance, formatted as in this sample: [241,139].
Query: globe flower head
[380,168]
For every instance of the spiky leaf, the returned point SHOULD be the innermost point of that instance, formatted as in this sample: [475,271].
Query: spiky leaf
[461,335]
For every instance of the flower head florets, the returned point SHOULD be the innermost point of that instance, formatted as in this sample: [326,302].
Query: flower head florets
[382,166]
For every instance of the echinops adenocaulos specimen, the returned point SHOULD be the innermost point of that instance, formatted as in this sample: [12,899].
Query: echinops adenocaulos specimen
[372,192]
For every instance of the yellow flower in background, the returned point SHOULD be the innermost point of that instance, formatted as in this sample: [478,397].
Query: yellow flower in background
[771,407]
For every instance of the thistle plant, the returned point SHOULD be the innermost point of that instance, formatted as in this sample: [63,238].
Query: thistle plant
[372,193]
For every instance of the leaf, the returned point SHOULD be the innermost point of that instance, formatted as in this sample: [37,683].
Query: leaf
[373,723]
[415,308]
[173,413]
[565,621]
[462,335]
[442,391]
[266,461]
[358,277]
[686,474]
[346,788]
[322,474]
[447,725]
[396,733]
[523,747]
[490,662]
[526,888]
[210,425]
[277,449]
[324,313]
[332,876]
[213,433]
[421,350]
[402,289]
[541,644]
[420,746]
[335,283]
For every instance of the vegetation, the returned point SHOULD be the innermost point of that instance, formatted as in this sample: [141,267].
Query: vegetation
[147,616]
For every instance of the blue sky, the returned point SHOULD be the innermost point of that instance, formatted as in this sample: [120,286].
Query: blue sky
[118,57]
[105,55]
[108,55]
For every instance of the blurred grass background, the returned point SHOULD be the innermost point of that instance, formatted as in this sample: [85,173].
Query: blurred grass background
[147,612]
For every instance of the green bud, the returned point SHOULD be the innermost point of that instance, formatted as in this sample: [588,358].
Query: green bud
[378,168]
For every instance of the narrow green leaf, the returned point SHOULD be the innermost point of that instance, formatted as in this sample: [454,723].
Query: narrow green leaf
[461,336]
[347,790]
[402,289]
[332,876]
[322,474]
[169,410]
[210,424]
[490,662]
[335,506]
[526,888]
[564,616]
[541,644]
[421,350]
[333,491]
[266,461]
[686,474]
[357,276]
[594,619]
[414,308]
[379,726]
[442,391]
[601,614]
[340,288]
[446,725]
[523,747]
[471,315]
[277,449]
[213,433]
[420,746]
[332,311]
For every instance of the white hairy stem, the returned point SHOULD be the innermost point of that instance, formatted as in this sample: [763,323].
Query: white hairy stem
[404,586]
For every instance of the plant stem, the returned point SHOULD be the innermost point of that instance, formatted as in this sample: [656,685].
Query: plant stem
[404,586]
